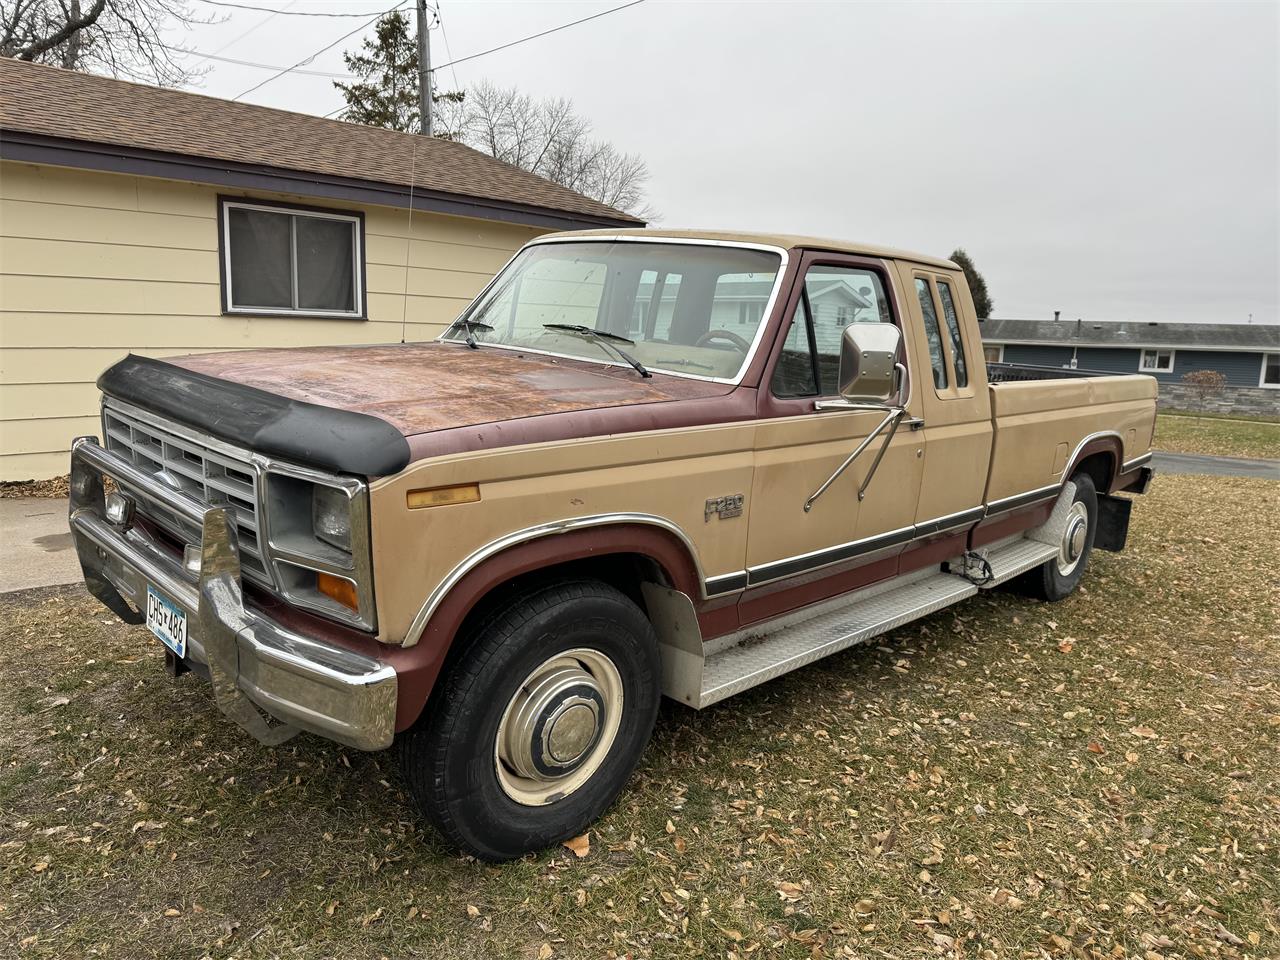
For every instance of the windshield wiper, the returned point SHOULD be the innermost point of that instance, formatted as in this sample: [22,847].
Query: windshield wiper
[467,325]
[604,338]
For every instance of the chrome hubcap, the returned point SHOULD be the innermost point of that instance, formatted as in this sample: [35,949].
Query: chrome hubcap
[1075,533]
[559,726]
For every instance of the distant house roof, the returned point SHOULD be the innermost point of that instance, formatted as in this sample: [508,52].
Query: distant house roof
[77,119]
[1073,333]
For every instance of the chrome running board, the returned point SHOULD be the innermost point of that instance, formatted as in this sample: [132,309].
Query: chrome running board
[700,675]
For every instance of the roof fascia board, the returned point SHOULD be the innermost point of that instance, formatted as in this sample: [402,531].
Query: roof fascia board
[1144,345]
[35,148]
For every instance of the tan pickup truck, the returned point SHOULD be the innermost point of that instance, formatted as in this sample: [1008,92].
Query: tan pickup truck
[640,463]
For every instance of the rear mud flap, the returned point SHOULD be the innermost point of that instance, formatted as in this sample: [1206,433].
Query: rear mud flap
[1113,522]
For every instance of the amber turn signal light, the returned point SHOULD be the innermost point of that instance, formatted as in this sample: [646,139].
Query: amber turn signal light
[441,496]
[344,591]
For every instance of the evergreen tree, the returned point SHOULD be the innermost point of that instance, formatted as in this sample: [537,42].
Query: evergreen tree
[982,301]
[386,93]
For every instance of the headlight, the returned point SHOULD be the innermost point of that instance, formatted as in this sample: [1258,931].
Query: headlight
[331,516]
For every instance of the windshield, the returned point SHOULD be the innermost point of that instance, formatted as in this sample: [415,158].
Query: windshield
[682,308]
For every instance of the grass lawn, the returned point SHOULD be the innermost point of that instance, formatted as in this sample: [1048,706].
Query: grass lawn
[1094,778]
[1217,437]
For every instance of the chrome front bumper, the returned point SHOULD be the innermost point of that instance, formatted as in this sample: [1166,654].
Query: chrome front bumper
[270,680]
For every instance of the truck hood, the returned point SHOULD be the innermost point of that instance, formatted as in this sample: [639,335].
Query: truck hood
[425,398]
[423,387]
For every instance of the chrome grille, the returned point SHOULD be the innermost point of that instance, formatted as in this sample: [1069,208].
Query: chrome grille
[205,475]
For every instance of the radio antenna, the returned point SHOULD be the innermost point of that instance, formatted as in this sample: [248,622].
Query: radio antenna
[408,242]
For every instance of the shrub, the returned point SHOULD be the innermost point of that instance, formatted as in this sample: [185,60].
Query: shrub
[1205,383]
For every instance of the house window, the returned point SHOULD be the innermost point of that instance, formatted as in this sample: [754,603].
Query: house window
[283,260]
[1270,370]
[994,353]
[1156,361]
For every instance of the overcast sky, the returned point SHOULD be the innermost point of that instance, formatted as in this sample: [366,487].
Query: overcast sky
[1113,161]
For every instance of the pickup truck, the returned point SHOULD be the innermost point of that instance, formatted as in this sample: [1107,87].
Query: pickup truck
[640,463]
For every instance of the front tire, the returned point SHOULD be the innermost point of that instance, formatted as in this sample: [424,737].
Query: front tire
[1057,578]
[536,729]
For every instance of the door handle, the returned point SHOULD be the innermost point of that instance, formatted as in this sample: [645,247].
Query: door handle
[915,423]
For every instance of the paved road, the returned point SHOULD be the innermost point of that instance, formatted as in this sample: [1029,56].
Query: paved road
[35,544]
[1215,466]
[36,550]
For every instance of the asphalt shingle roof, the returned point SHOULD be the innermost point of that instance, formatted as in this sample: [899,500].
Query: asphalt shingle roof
[1112,334]
[49,101]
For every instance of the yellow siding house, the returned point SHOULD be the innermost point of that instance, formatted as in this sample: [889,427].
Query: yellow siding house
[159,222]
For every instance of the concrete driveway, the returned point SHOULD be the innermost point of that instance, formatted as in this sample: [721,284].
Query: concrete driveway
[35,544]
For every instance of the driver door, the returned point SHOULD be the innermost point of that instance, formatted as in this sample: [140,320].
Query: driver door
[796,557]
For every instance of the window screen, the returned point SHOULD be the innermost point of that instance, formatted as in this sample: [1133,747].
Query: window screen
[932,334]
[953,329]
[285,261]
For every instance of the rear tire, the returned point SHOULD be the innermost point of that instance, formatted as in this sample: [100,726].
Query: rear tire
[536,729]
[1057,578]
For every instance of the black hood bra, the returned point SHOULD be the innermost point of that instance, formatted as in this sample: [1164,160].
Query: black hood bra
[304,433]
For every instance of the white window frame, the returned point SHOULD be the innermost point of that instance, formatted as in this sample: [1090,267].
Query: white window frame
[1262,374]
[998,347]
[357,261]
[1143,367]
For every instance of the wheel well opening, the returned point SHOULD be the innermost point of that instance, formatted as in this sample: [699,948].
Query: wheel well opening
[623,571]
[1100,467]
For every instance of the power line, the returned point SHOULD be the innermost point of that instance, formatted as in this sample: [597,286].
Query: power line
[308,59]
[287,13]
[535,36]
[445,37]
[236,39]
[297,67]
[260,66]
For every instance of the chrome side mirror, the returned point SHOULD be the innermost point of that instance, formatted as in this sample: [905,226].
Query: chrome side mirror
[868,362]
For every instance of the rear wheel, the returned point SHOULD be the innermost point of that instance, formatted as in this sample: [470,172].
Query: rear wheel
[534,732]
[1058,577]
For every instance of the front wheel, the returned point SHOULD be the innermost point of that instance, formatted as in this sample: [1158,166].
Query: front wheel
[536,729]
[1058,577]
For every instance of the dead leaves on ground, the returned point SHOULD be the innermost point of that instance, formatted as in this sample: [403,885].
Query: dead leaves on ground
[1004,779]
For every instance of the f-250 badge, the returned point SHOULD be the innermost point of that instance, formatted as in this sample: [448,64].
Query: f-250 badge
[724,507]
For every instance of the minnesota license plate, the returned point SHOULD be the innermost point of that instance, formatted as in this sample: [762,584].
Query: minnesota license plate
[167,621]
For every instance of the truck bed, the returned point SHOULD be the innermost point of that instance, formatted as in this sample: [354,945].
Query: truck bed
[1017,372]
[1040,415]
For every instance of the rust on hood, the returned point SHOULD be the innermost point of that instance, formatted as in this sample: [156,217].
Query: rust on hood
[423,388]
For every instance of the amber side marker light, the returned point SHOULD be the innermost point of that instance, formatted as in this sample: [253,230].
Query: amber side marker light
[344,591]
[441,496]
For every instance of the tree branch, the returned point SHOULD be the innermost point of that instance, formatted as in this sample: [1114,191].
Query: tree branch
[72,26]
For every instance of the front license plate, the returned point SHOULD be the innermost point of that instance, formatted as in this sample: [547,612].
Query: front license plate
[167,621]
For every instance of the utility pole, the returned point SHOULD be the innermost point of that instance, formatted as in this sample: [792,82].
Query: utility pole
[424,70]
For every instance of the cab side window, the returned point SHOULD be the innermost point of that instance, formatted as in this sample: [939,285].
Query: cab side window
[953,330]
[833,298]
[794,374]
[932,333]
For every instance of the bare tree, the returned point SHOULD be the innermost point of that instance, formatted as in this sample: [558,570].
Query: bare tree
[121,38]
[548,138]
